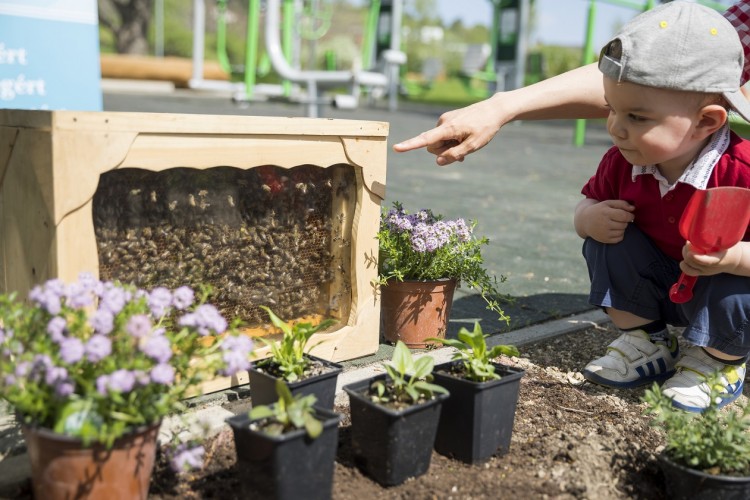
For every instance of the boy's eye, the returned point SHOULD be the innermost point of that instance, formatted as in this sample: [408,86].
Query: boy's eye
[636,118]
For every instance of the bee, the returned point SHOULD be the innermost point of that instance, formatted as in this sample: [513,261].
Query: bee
[153,196]
[230,200]
[172,205]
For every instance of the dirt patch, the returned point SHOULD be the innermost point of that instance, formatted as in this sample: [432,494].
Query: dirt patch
[570,440]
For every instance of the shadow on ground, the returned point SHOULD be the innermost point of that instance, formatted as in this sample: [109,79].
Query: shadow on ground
[522,311]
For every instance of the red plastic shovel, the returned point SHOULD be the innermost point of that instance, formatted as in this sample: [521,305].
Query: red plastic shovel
[714,219]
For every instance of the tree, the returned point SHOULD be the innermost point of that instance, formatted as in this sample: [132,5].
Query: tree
[129,22]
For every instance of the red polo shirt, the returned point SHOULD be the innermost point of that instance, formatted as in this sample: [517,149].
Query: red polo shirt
[657,216]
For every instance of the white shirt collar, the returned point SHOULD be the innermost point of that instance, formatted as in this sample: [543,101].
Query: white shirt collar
[698,172]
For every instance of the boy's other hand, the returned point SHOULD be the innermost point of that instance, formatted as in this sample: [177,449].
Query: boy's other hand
[606,221]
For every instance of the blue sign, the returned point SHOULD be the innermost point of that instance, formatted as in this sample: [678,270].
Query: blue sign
[49,55]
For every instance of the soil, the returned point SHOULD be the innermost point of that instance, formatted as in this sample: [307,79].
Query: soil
[571,440]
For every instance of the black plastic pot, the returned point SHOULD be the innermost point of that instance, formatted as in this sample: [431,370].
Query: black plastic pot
[391,446]
[684,483]
[263,385]
[476,421]
[290,466]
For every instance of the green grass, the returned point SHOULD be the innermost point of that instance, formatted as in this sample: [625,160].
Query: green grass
[452,92]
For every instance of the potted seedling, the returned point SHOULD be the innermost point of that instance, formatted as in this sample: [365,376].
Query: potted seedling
[395,417]
[707,455]
[289,361]
[476,421]
[286,450]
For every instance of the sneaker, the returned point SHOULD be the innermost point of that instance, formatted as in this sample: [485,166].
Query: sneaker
[688,388]
[633,360]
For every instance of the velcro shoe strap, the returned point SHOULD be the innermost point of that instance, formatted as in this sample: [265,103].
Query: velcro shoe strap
[633,347]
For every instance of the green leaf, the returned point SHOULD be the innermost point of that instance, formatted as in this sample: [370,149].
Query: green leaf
[423,367]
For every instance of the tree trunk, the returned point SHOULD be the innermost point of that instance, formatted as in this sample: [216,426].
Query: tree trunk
[129,21]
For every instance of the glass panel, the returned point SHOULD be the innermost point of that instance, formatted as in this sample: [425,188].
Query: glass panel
[263,236]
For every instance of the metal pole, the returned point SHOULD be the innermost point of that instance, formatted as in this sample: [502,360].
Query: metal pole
[588,58]
[199,27]
[371,31]
[393,69]
[159,28]
[251,46]
[523,22]
[287,38]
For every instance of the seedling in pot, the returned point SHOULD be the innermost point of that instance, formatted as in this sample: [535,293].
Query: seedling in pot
[410,379]
[476,359]
[715,441]
[288,354]
[287,413]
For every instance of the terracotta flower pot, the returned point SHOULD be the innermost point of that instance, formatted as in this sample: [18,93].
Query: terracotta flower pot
[62,468]
[413,310]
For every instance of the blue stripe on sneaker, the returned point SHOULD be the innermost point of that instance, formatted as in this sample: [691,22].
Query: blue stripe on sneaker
[640,371]
[651,370]
[662,365]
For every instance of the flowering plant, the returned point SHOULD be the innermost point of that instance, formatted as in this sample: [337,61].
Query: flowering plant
[94,359]
[424,246]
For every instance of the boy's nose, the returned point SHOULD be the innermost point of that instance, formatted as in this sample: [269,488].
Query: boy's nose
[615,129]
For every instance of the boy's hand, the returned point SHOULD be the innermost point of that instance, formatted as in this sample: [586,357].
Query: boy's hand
[606,221]
[723,261]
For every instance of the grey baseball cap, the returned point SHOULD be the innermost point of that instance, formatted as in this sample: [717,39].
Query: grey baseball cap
[679,46]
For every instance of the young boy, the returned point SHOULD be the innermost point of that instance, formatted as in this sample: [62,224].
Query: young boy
[669,76]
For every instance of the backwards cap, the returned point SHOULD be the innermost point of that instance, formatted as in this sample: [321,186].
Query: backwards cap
[679,46]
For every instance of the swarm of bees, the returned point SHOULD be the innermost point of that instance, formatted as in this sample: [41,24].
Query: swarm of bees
[261,236]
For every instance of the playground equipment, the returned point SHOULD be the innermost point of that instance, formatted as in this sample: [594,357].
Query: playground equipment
[315,80]
[282,39]
[588,47]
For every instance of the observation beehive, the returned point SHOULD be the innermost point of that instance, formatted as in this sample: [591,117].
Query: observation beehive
[281,212]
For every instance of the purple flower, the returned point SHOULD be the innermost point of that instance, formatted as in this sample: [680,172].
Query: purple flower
[55,374]
[71,350]
[113,299]
[418,244]
[47,298]
[157,347]
[56,328]
[22,369]
[235,353]
[183,297]
[64,388]
[138,326]
[78,296]
[206,319]
[162,374]
[185,458]
[103,321]
[159,301]
[97,348]
[117,381]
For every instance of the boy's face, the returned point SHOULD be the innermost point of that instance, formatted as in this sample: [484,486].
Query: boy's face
[652,126]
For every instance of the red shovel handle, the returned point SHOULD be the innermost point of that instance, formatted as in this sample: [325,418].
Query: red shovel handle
[682,291]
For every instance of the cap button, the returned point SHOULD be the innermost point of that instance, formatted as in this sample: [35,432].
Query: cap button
[663,24]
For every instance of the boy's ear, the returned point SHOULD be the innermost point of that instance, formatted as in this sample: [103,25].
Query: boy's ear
[710,119]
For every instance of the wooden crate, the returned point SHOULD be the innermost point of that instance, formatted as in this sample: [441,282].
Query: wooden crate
[51,163]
